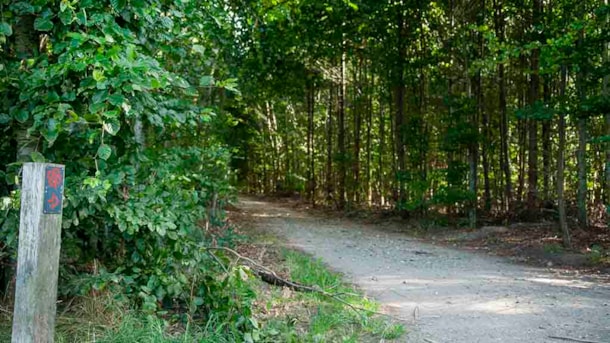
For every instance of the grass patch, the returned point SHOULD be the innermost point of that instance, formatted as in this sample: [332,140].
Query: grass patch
[104,319]
[313,317]
[553,248]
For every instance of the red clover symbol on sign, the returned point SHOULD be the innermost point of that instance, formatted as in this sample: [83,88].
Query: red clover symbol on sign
[54,177]
[53,189]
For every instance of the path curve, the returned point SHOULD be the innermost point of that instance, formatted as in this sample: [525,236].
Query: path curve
[445,295]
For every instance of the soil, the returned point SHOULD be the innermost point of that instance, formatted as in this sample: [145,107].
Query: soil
[445,293]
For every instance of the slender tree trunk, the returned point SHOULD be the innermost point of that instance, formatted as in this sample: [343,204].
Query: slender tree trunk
[329,144]
[504,137]
[581,154]
[522,133]
[546,147]
[563,223]
[399,88]
[485,155]
[311,176]
[532,176]
[380,175]
[472,161]
[341,134]
[369,148]
[606,93]
[357,139]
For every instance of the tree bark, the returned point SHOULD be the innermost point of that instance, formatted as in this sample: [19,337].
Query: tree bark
[546,148]
[357,139]
[504,137]
[606,93]
[329,144]
[581,154]
[561,207]
[369,148]
[399,89]
[311,176]
[532,162]
[341,134]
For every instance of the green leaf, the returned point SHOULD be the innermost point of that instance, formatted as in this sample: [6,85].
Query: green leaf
[198,301]
[51,132]
[116,99]
[43,24]
[104,152]
[118,5]
[98,75]
[206,81]
[6,29]
[4,118]
[22,115]
[66,16]
[112,126]
[99,97]
[37,157]
[200,49]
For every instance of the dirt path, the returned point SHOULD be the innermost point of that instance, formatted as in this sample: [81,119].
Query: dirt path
[446,295]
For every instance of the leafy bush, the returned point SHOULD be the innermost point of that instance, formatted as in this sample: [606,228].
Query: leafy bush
[108,89]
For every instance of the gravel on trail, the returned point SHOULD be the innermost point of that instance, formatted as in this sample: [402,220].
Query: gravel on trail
[445,295]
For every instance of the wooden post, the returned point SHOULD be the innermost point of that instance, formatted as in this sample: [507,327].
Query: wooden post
[38,253]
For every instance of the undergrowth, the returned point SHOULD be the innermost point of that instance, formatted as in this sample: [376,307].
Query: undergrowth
[108,317]
[315,317]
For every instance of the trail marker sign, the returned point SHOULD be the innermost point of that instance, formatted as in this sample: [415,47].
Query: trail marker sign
[38,253]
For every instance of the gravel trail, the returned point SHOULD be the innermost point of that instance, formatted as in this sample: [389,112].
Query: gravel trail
[446,295]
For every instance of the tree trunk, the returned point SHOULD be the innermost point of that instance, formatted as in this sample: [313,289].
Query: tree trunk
[380,171]
[563,223]
[369,148]
[341,135]
[399,89]
[546,148]
[581,154]
[311,176]
[532,162]
[606,93]
[504,138]
[357,140]
[329,144]
[522,133]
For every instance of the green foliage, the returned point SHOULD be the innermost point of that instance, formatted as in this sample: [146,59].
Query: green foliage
[553,248]
[111,89]
[598,255]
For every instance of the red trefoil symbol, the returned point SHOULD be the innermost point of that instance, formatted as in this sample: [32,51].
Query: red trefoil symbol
[53,201]
[54,178]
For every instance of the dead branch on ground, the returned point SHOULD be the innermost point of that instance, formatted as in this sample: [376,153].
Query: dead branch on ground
[269,276]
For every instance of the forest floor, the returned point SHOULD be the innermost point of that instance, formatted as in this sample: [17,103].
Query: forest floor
[441,290]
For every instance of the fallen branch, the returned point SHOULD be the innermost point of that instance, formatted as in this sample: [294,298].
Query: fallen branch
[269,276]
[275,280]
[570,339]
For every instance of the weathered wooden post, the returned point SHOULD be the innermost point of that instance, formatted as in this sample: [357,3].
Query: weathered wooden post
[38,253]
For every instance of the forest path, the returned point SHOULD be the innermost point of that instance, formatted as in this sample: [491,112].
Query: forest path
[445,295]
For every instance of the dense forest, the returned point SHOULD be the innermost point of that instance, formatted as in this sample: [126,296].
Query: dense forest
[496,108]
[489,110]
